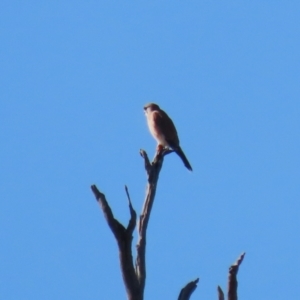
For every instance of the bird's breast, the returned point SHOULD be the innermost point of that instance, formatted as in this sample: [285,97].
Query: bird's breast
[156,132]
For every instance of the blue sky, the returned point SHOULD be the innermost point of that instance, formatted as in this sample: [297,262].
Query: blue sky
[74,78]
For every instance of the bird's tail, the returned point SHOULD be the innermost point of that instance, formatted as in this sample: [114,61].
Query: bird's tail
[180,153]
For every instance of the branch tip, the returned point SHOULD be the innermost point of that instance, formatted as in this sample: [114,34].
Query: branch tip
[187,291]
[232,278]
[240,259]
[127,193]
[98,195]
[147,163]
[132,221]
[220,293]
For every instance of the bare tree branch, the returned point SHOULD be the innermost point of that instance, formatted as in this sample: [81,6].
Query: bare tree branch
[144,155]
[187,291]
[134,276]
[153,171]
[232,281]
[124,239]
[132,221]
[220,293]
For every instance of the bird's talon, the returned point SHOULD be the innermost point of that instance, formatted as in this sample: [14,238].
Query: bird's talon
[159,148]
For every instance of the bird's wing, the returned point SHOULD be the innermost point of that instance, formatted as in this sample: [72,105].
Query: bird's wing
[166,126]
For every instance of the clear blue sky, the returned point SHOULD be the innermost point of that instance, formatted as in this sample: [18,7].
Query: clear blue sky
[74,78]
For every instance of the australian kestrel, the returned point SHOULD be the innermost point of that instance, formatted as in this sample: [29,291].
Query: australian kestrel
[163,130]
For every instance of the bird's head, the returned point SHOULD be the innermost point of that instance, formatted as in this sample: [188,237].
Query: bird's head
[150,107]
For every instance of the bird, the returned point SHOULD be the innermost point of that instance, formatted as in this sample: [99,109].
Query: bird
[164,131]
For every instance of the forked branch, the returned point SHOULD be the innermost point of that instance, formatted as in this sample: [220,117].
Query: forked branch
[134,276]
[153,170]
[124,239]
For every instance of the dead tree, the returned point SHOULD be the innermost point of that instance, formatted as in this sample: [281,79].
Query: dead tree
[134,273]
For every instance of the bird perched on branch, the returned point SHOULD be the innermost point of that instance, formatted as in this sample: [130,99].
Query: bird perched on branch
[163,130]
